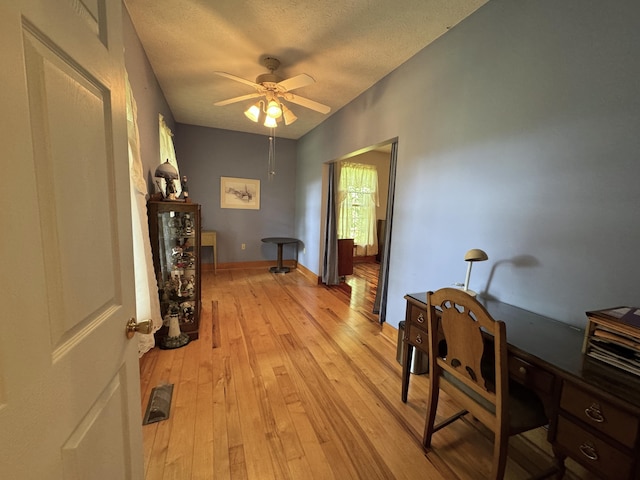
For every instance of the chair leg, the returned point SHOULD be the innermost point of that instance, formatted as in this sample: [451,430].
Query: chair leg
[558,463]
[432,406]
[500,447]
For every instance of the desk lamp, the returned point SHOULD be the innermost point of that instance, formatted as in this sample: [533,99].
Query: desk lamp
[473,255]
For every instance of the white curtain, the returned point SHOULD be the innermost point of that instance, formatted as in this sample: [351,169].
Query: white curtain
[357,200]
[167,151]
[147,302]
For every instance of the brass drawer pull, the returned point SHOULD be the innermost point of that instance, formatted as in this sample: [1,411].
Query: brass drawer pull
[420,318]
[594,413]
[589,451]
[419,338]
[522,370]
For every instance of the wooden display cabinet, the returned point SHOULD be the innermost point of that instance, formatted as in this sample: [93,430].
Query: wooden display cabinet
[174,228]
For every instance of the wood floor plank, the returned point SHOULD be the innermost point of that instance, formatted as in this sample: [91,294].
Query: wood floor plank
[285,447]
[155,366]
[252,429]
[147,369]
[225,397]
[341,421]
[180,451]
[221,467]
[203,438]
[164,429]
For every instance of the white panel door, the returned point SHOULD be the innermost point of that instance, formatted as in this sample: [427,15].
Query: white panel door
[69,386]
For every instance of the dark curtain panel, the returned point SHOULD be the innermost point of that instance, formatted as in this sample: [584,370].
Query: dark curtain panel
[330,262]
[380,303]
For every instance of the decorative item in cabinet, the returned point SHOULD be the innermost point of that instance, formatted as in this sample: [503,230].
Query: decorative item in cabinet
[613,336]
[174,228]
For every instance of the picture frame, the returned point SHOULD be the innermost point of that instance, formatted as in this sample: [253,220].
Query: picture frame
[241,193]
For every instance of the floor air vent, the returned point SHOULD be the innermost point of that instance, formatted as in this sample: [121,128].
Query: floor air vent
[159,404]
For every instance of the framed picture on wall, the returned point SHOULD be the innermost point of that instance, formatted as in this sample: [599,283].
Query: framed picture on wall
[239,193]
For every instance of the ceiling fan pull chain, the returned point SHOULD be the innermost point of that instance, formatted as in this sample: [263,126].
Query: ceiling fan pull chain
[271,167]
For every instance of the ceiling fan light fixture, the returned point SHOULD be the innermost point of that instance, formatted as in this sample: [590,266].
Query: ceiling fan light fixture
[270,122]
[288,115]
[273,109]
[253,112]
[271,88]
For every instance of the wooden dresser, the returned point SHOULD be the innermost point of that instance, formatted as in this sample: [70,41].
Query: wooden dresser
[593,408]
[345,257]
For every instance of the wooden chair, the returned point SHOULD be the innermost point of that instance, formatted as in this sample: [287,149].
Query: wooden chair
[473,371]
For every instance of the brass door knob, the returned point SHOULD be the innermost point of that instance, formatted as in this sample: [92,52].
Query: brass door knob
[142,327]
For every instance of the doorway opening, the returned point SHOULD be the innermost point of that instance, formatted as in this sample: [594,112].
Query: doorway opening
[367,282]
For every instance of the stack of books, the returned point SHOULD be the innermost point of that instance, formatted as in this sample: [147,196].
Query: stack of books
[613,336]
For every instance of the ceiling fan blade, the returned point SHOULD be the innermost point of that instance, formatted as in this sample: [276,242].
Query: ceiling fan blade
[237,79]
[237,99]
[305,102]
[298,81]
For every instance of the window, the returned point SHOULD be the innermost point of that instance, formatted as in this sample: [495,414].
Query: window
[167,150]
[357,202]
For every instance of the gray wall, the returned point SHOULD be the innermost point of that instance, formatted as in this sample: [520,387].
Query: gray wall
[149,99]
[517,134]
[206,154]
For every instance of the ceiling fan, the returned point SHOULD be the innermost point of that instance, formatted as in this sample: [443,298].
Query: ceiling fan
[274,90]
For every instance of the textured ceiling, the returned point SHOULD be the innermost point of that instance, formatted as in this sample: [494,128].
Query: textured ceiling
[345,45]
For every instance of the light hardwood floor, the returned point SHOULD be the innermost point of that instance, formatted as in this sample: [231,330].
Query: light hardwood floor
[293,380]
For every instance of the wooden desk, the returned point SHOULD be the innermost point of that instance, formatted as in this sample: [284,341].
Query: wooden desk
[209,239]
[593,408]
[280,241]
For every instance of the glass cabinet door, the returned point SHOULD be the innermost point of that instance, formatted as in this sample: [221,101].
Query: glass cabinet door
[177,264]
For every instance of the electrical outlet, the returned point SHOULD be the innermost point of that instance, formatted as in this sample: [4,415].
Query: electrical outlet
[243,246]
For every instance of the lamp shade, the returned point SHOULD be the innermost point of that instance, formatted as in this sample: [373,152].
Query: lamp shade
[253,112]
[167,171]
[270,122]
[288,115]
[273,109]
[475,255]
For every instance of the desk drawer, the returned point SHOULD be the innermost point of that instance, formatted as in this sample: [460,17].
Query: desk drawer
[599,414]
[592,452]
[418,316]
[419,337]
[530,376]
[417,327]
